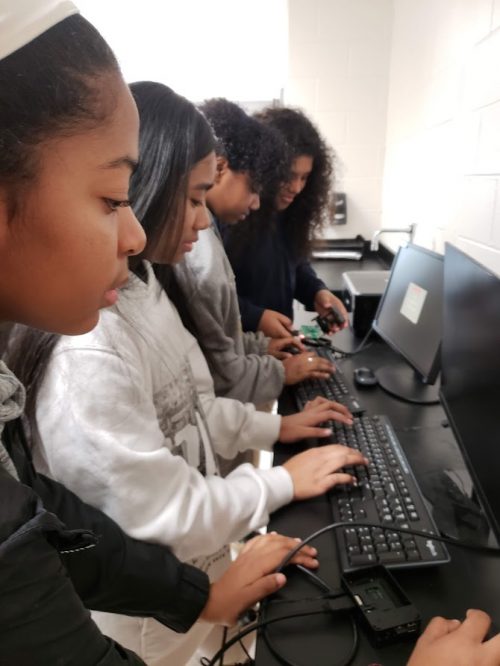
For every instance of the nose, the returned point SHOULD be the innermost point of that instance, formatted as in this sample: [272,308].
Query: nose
[294,186]
[254,201]
[202,220]
[131,235]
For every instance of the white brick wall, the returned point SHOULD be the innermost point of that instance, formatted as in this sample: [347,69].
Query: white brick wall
[442,167]
[338,73]
[408,93]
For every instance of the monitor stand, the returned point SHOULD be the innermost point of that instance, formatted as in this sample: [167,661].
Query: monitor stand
[404,383]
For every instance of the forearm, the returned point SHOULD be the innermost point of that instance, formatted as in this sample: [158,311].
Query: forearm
[121,574]
[307,284]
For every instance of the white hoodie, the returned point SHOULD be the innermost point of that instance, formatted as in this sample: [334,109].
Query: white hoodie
[130,423]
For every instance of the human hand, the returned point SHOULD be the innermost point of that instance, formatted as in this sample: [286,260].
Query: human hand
[275,324]
[455,643]
[323,301]
[277,346]
[314,471]
[250,577]
[306,365]
[305,423]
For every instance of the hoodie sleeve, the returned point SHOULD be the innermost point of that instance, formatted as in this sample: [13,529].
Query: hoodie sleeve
[103,440]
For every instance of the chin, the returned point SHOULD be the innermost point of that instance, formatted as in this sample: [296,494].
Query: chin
[81,326]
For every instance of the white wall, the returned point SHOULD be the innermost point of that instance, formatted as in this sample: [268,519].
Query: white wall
[443,124]
[228,48]
[338,74]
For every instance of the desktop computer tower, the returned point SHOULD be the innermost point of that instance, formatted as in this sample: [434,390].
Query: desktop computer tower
[362,291]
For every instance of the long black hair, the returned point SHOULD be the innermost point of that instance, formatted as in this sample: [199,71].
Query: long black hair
[59,84]
[173,137]
[306,214]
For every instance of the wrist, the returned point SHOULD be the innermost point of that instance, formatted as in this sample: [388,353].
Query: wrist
[209,612]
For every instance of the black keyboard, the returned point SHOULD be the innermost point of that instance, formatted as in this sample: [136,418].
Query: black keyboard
[333,388]
[387,494]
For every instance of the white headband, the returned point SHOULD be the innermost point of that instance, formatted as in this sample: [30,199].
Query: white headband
[21,21]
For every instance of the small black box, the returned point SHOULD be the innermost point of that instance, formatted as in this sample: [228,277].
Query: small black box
[386,612]
[362,291]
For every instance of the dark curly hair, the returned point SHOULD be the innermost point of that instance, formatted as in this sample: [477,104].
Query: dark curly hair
[306,214]
[247,144]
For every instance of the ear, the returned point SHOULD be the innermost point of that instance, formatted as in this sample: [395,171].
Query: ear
[222,169]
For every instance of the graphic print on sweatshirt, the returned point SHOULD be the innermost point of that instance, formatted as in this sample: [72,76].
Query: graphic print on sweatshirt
[181,421]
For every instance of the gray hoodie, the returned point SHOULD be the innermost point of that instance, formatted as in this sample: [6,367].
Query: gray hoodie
[238,361]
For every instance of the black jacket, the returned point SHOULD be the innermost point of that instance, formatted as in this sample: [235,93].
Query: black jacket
[269,275]
[51,568]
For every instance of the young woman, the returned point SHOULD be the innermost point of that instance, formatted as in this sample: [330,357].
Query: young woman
[127,413]
[248,156]
[69,140]
[269,251]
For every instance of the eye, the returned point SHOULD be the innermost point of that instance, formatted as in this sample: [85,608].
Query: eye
[196,203]
[114,204]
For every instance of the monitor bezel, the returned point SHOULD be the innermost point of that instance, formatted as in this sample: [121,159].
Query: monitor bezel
[478,488]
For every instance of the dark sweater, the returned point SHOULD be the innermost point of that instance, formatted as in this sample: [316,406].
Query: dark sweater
[50,570]
[269,276]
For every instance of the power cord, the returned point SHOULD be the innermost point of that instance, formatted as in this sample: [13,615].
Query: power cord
[331,596]
[362,345]
[288,662]
[204,661]
[488,550]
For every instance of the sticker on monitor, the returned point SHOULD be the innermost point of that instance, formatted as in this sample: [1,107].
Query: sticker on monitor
[413,302]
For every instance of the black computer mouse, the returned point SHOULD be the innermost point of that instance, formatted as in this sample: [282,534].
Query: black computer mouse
[364,377]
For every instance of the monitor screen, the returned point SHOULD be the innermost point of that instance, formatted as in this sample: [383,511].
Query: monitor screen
[409,316]
[470,389]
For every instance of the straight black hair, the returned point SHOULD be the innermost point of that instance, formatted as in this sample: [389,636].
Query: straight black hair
[173,137]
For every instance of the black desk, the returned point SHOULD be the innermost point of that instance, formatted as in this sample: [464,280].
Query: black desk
[470,580]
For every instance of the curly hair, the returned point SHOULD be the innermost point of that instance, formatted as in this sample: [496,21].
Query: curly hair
[306,214]
[248,145]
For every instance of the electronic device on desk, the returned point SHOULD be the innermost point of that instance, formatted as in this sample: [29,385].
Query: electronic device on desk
[332,318]
[409,319]
[386,494]
[362,291]
[470,386]
[386,612]
[336,387]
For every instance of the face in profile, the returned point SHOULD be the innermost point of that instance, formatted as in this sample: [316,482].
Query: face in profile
[233,197]
[64,252]
[299,173]
[196,216]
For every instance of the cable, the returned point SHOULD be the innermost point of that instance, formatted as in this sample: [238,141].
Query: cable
[314,577]
[258,625]
[222,649]
[284,660]
[247,653]
[489,550]
[362,345]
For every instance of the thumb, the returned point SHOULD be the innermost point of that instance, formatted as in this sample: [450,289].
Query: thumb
[437,628]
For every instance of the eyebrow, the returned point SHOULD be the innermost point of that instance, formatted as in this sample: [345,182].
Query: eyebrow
[120,162]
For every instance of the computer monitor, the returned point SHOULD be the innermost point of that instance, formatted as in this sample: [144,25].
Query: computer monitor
[409,319]
[470,389]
